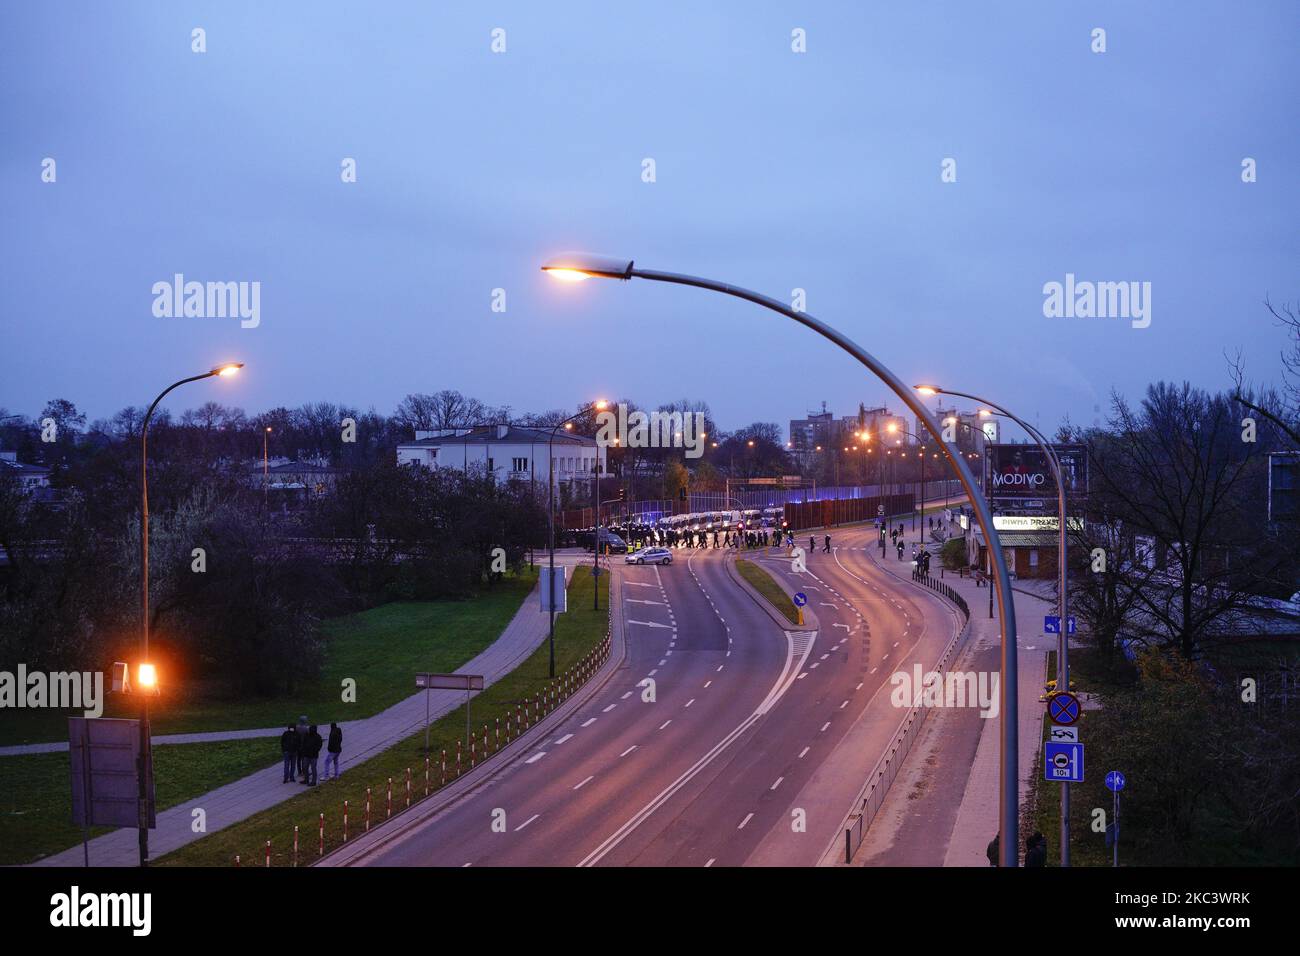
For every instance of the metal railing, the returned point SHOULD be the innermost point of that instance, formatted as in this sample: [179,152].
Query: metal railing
[873,793]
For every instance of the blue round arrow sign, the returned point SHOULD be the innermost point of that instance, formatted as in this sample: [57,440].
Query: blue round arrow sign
[800,599]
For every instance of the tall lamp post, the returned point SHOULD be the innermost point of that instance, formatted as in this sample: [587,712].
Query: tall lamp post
[579,266]
[266,466]
[550,513]
[1063,581]
[142,790]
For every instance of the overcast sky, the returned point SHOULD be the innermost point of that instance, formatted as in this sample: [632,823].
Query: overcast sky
[774,170]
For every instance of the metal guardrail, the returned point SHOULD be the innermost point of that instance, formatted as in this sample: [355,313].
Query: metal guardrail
[872,796]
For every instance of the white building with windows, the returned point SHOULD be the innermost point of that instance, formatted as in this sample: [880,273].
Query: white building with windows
[507,452]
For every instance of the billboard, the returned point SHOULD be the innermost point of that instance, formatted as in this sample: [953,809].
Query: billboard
[1283,488]
[1020,476]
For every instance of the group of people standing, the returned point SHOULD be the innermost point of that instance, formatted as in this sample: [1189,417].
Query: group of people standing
[300,748]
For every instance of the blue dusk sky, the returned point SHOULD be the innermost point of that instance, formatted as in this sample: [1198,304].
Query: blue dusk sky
[773,169]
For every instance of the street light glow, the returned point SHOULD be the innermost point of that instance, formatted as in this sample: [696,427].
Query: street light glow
[577,266]
[230,368]
[146,677]
[928,389]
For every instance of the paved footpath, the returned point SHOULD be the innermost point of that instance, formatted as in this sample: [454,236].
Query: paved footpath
[943,808]
[361,739]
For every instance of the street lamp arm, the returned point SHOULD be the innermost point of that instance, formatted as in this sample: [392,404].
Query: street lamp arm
[1009,781]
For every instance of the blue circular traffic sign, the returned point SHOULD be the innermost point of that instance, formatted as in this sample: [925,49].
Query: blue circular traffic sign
[800,599]
[1063,708]
[1115,781]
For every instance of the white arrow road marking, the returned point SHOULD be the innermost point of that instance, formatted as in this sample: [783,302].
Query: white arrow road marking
[640,584]
[651,624]
[643,601]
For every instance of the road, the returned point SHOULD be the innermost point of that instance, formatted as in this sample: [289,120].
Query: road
[755,743]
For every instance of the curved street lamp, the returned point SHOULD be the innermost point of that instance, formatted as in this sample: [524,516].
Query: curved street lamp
[230,368]
[599,405]
[1063,576]
[577,266]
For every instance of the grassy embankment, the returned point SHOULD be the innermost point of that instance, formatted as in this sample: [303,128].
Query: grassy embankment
[577,632]
[35,794]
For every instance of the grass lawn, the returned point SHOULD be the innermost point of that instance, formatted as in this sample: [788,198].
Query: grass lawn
[577,632]
[768,588]
[381,649]
[36,794]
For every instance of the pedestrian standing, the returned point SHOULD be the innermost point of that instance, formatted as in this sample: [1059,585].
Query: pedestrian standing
[333,750]
[827,549]
[314,742]
[289,753]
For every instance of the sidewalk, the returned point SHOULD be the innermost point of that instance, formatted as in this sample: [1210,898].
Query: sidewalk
[361,739]
[953,746]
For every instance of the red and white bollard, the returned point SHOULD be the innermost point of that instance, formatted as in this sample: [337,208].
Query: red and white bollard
[390,797]
[457,756]
[471,748]
[426,776]
[367,809]
[295,844]
[498,747]
[408,786]
[236,859]
[321,851]
[444,766]
[345,821]
[268,852]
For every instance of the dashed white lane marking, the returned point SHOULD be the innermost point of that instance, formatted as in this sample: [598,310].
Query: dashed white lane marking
[827,604]
[823,657]
[859,687]
[564,738]
[885,658]
[895,643]
[720,666]
[584,783]
[626,696]
[609,708]
[814,665]
[843,705]
[536,757]
[824,726]
[748,817]
[628,751]
[777,783]
[804,751]
[663,661]
[873,670]
[589,721]
[689,702]
[526,822]
[665,723]
[653,672]
[802,676]
[707,683]
[463,865]
[706,865]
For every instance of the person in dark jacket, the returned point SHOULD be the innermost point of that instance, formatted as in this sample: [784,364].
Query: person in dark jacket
[313,745]
[1036,850]
[333,749]
[289,752]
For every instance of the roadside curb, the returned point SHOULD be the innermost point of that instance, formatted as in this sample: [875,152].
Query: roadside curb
[417,814]
[810,616]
